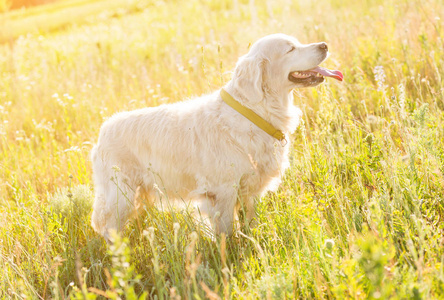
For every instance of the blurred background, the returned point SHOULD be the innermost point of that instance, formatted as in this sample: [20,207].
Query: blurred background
[14,4]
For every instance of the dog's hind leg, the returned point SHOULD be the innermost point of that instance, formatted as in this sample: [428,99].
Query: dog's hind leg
[114,204]
[114,199]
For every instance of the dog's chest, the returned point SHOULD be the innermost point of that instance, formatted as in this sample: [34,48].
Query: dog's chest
[268,166]
[275,157]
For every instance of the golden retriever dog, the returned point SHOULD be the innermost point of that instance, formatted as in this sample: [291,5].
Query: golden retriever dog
[204,149]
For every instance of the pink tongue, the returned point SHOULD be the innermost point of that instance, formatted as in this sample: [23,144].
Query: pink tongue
[329,73]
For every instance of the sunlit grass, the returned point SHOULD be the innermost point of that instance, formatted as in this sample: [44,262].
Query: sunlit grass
[49,17]
[358,215]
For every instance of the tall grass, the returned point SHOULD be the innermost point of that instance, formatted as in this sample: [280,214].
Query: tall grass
[52,16]
[358,215]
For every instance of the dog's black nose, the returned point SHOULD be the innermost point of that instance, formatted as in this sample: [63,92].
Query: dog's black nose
[323,47]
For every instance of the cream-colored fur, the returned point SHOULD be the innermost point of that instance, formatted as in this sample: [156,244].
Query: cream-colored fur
[201,148]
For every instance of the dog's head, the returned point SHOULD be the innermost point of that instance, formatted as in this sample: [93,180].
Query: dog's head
[279,63]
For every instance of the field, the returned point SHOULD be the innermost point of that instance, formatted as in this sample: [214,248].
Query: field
[360,212]
[55,15]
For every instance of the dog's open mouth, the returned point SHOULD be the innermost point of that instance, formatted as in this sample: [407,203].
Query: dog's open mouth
[315,75]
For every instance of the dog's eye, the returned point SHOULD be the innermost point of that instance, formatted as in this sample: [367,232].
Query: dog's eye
[292,49]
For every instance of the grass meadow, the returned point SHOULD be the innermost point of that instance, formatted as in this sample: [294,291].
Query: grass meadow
[360,212]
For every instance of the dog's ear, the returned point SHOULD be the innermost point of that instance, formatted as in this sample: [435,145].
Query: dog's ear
[249,76]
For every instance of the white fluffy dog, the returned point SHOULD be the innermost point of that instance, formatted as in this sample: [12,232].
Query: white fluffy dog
[203,148]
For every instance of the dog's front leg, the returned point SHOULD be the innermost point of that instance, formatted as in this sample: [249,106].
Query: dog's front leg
[219,206]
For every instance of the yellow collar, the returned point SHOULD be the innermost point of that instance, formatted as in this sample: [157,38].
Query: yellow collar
[253,117]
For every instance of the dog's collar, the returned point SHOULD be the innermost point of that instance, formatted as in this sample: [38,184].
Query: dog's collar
[253,117]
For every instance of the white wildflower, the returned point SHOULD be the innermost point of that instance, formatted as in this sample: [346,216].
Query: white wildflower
[329,244]
[380,78]
[149,234]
